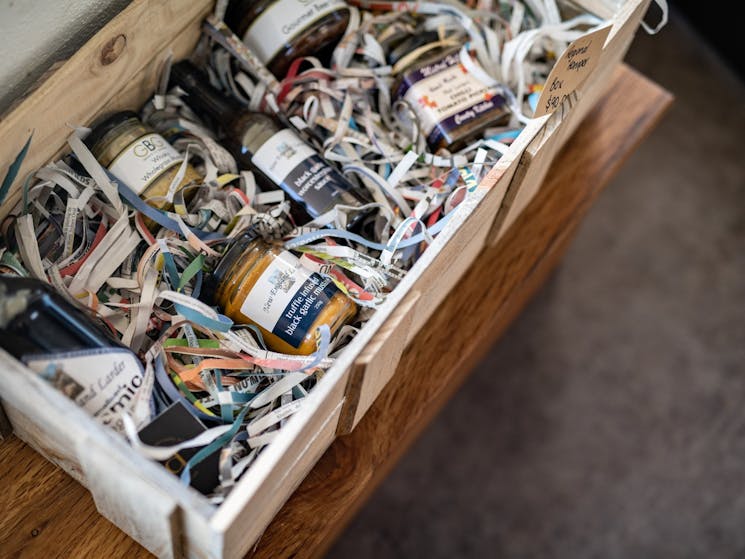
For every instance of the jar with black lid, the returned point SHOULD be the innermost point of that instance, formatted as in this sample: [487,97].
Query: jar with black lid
[279,31]
[453,106]
[138,156]
[262,284]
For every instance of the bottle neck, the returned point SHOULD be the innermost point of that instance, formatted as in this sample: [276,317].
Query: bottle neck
[202,96]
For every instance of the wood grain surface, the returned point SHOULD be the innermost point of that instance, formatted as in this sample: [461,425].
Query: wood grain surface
[45,513]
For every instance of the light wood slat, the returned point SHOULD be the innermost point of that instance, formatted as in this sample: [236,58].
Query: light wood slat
[539,155]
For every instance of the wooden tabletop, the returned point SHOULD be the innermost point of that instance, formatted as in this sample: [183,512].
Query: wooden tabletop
[45,513]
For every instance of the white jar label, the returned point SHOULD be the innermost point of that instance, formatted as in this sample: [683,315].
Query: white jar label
[287,299]
[104,382]
[143,161]
[297,169]
[445,95]
[280,22]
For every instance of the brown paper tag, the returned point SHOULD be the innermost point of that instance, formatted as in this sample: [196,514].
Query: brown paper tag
[575,64]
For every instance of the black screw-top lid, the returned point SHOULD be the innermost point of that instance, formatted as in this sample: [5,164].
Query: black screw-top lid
[410,44]
[202,96]
[103,127]
[233,251]
[46,322]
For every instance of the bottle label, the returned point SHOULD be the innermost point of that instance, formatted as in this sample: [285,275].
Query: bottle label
[143,161]
[445,96]
[280,22]
[287,299]
[295,167]
[104,382]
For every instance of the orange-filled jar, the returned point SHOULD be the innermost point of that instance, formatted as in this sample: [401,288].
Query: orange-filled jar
[264,285]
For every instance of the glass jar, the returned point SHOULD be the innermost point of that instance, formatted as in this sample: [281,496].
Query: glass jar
[265,285]
[452,105]
[279,31]
[138,156]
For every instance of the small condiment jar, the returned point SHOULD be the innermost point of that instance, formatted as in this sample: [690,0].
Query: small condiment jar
[452,105]
[138,156]
[279,31]
[265,285]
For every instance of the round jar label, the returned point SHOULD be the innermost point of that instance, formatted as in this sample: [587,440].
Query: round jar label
[143,161]
[287,299]
[445,96]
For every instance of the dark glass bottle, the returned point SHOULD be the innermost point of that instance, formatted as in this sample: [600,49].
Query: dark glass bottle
[277,155]
[34,319]
[72,348]
[279,31]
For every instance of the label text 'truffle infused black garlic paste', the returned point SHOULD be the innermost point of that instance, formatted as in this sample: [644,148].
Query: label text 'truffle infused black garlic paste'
[265,285]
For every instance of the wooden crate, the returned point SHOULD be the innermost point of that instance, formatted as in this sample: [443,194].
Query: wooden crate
[117,69]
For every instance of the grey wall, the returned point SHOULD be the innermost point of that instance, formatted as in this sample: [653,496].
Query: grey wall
[36,33]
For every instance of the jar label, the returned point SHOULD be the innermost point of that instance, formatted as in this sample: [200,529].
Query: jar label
[445,96]
[280,22]
[287,298]
[104,382]
[295,167]
[143,161]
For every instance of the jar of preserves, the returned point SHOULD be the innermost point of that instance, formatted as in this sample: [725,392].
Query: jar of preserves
[452,105]
[279,31]
[264,285]
[138,156]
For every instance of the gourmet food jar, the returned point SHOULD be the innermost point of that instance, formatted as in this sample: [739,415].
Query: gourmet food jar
[264,285]
[279,31]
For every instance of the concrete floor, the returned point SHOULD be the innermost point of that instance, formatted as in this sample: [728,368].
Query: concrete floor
[610,420]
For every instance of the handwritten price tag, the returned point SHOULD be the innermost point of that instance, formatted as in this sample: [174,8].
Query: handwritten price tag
[577,62]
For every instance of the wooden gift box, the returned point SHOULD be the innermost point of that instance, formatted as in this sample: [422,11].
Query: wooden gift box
[117,69]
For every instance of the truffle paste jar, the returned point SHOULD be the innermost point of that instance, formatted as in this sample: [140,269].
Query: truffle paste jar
[265,285]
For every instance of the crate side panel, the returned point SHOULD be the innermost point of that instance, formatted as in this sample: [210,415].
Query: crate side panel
[139,508]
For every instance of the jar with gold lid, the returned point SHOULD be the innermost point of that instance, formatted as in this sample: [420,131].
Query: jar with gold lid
[262,284]
[279,31]
[138,156]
